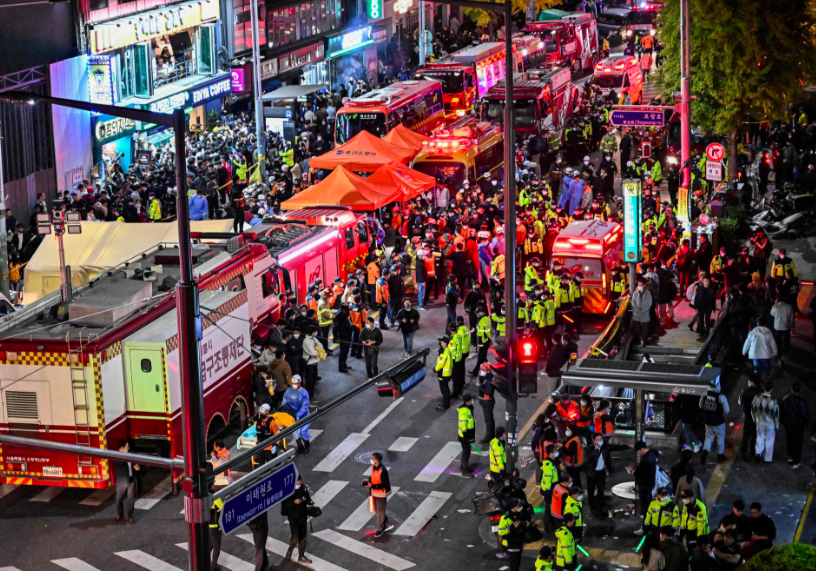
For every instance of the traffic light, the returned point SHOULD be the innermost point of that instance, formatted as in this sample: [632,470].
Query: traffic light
[527,366]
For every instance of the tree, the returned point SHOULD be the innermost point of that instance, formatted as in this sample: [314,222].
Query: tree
[484,17]
[749,60]
[792,557]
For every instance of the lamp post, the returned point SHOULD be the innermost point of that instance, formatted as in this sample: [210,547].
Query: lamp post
[256,88]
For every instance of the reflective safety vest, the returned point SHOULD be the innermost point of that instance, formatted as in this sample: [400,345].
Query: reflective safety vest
[505,523]
[430,266]
[578,459]
[464,340]
[523,198]
[549,475]
[657,172]
[215,512]
[559,499]
[585,416]
[565,547]
[498,456]
[574,507]
[537,313]
[718,263]
[500,322]
[455,348]
[603,424]
[154,211]
[541,449]
[483,330]
[382,291]
[543,564]
[661,514]
[531,278]
[375,479]
[533,246]
[497,267]
[466,420]
[575,292]
[553,142]
[568,413]
[549,314]
[224,478]
[240,171]
[565,295]
[609,144]
[694,520]
[444,362]
[523,315]
[618,283]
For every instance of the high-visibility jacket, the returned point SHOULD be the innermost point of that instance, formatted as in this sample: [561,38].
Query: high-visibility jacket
[543,564]
[694,520]
[215,512]
[657,172]
[609,143]
[288,157]
[549,475]
[376,479]
[537,313]
[569,412]
[373,270]
[661,514]
[505,523]
[618,283]
[497,267]
[224,478]
[466,421]
[533,245]
[576,459]
[574,507]
[718,263]
[430,266]
[483,330]
[549,314]
[523,198]
[559,499]
[154,210]
[603,424]
[382,291]
[565,547]
[498,456]
[241,171]
[779,267]
[444,362]
[500,322]
[464,340]
[455,347]
[553,143]
[584,416]
[523,315]
[542,449]
[531,278]
[575,293]
[565,297]
[325,317]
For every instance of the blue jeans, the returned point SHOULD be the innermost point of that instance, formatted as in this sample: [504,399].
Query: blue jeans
[408,342]
[451,315]
[762,368]
[688,432]
[712,433]
[421,294]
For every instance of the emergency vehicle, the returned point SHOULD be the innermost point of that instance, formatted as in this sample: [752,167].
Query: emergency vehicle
[416,104]
[111,370]
[466,75]
[530,52]
[541,99]
[466,149]
[570,38]
[619,24]
[593,247]
[621,73]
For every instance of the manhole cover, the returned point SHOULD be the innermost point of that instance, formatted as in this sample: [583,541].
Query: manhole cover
[364,457]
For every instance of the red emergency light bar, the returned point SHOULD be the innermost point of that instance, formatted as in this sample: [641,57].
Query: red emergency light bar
[577,244]
[448,144]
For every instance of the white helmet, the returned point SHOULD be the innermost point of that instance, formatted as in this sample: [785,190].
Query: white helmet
[295,379]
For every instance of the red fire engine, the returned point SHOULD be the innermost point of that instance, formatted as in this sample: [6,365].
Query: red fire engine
[570,38]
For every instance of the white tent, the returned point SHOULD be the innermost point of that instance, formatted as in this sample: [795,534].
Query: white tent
[101,246]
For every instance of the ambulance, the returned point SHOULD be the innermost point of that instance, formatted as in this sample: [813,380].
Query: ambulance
[465,150]
[621,73]
[592,247]
[466,75]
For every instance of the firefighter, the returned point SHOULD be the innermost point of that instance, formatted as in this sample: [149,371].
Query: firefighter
[609,143]
[497,268]
[565,552]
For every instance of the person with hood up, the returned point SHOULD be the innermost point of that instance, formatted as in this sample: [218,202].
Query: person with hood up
[296,402]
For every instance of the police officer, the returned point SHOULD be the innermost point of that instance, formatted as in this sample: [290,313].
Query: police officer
[482,338]
[467,433]
[549,479]
[487,399]
[215,529]
[498,458]
[662,512]
[544,561]
[693,519]
[574,506]
[444,371]
[565,551]
[463,335]
[531,277]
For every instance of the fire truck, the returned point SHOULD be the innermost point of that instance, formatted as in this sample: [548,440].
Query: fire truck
[104,367]
[543,99]
[570,38]
[466,75]
[530,52]
[593,247]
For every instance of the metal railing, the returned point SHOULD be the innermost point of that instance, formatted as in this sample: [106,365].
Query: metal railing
[166,74]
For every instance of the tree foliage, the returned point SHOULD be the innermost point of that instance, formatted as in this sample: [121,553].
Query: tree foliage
[792,557]
[749,58]
[484,17]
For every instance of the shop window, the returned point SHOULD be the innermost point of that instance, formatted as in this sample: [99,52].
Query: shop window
[143,70]
[125,73]
[98,5]
[206,49]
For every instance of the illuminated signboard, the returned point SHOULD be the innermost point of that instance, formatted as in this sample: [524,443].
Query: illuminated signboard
[632,191]
[402,6]
[374,9]
[108,128]
[100,80]
[350,42]
[193,97]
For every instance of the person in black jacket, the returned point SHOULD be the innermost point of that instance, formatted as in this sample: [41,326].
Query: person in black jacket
[294,351]
[342,335]
[371,338]
[396,292]
[644,475]
[260,386]
[126,474]
[599,464]
[746,399]
[795,417]
[451,299]
[556,359]
[408,323]
[296,509]
[474,299]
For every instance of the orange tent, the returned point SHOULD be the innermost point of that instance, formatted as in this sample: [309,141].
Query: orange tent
[363,153]
[410,182]
[344,188]
[405,137]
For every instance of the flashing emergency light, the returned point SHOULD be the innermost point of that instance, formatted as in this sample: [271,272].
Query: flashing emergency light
[541,45]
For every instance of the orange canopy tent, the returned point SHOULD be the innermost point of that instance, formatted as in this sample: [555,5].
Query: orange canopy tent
[404,137]
[363,153]
[411,183]
[344,188]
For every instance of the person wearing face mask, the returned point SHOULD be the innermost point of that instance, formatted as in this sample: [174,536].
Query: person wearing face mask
[693,518]
[662,512]
[641,305]
[498,458]
[782,264]
[573,453]
[379,486]
[407,320]
[487,399]
[342,335]
[371,338]
[512,528]
[294,351]
[467,433]
[574,505]
[566,556]
[296,509]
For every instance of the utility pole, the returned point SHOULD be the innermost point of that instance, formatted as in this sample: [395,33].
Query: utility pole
[685,96]
[511,403]
[256,86]
[422,51]
[196,508]
[4,259]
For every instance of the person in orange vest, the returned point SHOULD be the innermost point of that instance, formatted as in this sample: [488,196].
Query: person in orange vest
[585,416]
[372,272]
[381,297]
[559,499]
[221,455]
[337,289]
[356,310]
[567,411]
[380,485]
[573,453]
[603,423]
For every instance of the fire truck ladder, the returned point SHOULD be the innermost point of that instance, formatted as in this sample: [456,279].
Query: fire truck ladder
[79,391]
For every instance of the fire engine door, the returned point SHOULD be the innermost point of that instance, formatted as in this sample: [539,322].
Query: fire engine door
[146,380]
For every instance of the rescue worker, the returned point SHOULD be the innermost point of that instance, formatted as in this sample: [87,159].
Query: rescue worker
[565,550]
[602,422]
[497,267]
[560,493]
[693,519]
[544,561]
[381,298]
[573,453]
[609,143]
[662,512]
[444,371]
[567,411]
[221,455]
[512,529]
[499,321]
[467,433]
[574,506]
[498,458]
[549,479]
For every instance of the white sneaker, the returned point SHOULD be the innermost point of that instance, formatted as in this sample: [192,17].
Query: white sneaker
[639,531]
[697,447]
[796,466]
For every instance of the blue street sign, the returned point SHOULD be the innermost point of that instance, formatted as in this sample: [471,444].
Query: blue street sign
[258,497]
[637,116]
[632,192]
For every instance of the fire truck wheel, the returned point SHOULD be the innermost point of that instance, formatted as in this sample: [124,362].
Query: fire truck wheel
[214,430]
[239,414]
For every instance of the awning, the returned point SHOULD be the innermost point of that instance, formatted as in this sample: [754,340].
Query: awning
[293,91]
[363,153]
[411,183]
[344,188]
[653,377]
[404,137]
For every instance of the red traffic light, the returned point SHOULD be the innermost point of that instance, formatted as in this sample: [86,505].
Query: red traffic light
[527,351]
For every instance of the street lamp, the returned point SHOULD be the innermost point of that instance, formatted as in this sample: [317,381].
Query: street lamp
[59,222]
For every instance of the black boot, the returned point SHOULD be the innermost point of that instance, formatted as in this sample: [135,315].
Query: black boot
[306,445]
[703,456]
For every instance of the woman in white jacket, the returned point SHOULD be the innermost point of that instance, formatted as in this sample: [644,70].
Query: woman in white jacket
[760,347]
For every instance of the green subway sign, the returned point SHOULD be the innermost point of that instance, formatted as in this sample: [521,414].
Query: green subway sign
[374,9]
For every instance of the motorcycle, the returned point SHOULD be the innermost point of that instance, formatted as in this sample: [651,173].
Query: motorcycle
[792,226]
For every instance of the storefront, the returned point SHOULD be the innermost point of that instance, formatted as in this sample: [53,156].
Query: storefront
[354,55]
[112,141]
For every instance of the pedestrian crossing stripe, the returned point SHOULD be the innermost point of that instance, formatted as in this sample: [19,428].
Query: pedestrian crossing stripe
[146,560]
